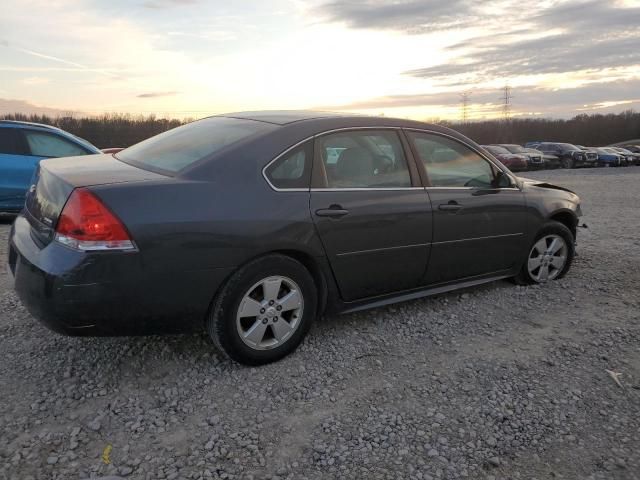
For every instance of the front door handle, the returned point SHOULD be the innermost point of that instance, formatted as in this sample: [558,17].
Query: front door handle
[332,211]
[452,206]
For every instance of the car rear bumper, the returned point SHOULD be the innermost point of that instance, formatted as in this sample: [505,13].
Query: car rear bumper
[105,293]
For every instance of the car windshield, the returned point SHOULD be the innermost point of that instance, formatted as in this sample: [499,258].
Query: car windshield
[180,147]
[515,148]
[497,150]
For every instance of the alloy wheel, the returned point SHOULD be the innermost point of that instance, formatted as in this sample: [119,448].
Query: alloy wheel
[269,313]
[547,258]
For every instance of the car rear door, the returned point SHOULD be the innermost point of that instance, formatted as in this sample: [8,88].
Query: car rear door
[16,168]
[478,214]
[372,214]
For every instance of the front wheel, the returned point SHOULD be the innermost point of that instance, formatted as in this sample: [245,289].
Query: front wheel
[264,311]
[549,257]
[567,163]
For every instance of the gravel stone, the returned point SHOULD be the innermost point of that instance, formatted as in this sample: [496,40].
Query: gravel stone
[495,382]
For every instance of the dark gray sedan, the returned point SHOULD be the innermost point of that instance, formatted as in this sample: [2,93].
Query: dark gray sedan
[252,225]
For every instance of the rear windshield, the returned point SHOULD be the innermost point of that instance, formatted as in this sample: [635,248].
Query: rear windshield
[497,150]
[180,147]
[568,146]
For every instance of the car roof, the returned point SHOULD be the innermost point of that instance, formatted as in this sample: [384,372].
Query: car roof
[283,117]
[19,123]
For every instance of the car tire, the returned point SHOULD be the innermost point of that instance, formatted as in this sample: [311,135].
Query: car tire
[551,231]
[567,163]
[254,289]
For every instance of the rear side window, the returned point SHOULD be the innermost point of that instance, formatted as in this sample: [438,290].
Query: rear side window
[363,159]
[47,145]
[12,142]
[180,147]
[293,169]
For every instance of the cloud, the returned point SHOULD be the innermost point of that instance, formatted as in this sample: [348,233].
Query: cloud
[156,94]
[577,36]
[76,66]
[35,81]
[8,106]
[158,4]
[518,38]
[413,16]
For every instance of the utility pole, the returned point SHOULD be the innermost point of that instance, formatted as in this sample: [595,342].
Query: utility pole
[506,98]
[464,107]
[506,102]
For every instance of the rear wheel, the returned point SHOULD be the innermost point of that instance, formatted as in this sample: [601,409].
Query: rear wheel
[264,311]
[549,257]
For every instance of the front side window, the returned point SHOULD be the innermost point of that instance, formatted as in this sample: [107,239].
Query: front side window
[44,144]
[11,142]
[363,159]
[451,164]
[181,147]
[291,170]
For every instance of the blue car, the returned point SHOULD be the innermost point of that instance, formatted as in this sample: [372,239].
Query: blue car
[607,158]
[22,146]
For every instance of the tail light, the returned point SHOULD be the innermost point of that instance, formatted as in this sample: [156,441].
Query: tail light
[87,224]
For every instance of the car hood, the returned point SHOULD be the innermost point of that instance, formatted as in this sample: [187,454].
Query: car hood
[529,182]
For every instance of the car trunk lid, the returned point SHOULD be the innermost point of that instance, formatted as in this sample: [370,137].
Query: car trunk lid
[55,179]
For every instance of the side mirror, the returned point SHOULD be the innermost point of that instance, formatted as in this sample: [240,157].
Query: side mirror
[501,180]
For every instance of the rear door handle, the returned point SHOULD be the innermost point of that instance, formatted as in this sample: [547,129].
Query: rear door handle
[332,211]
[450,207]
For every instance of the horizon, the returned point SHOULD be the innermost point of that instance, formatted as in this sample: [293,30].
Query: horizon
[189,59]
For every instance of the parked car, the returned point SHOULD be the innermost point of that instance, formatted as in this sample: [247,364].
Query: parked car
[625,160]
[550,161]
[570,155]
[22,146]
[633,148]
[631,157]
[534,160]
[589,150]
[512,161]
[607,158]
[249,226]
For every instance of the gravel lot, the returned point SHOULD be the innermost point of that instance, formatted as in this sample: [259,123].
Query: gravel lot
[493,382]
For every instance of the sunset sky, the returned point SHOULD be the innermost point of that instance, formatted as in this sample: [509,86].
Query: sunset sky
[190,58]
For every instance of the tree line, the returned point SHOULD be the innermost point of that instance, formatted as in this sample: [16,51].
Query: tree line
[122,130]
[590,130]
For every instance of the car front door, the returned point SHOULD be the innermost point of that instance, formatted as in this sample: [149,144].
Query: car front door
[16,168]
[478,211]
[372,214]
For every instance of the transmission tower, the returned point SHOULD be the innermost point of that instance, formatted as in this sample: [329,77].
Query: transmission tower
[506,102]
[464,107]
